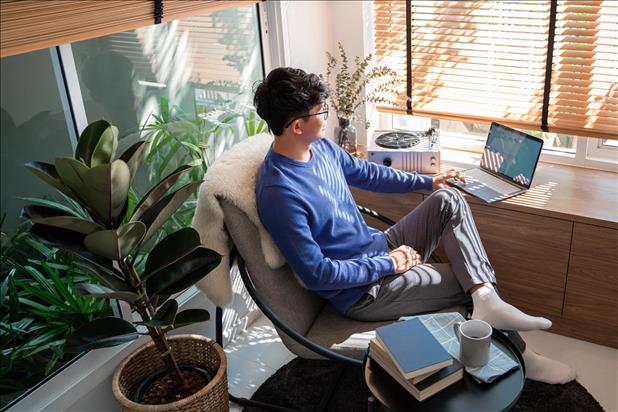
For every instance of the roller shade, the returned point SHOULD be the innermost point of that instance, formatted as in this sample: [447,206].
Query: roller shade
[27,25]
[532,64]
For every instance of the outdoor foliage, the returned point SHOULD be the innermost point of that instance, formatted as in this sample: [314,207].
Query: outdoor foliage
[349,89]
[178,138]
[39,308]
[106,241]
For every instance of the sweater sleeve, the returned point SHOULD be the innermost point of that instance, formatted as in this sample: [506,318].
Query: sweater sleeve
[283,215]
[379,178]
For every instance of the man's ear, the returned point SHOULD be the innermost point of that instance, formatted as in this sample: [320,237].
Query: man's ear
[297,127]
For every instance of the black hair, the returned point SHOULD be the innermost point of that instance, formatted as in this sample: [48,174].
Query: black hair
[287,93]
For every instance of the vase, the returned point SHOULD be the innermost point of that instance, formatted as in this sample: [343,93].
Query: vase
[345,135]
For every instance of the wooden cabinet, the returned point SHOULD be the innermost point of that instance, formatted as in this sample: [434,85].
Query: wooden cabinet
[530,255]
[555,267]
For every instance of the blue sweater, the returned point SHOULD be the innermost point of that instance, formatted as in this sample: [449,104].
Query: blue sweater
[310,213]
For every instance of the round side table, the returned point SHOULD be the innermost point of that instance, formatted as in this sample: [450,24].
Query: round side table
[464,396]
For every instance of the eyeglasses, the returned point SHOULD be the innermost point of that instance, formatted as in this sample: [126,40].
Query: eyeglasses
[323,112]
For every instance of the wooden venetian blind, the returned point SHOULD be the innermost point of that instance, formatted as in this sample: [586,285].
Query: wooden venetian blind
[584,81]
[549,65]
[180,9]
[27,25]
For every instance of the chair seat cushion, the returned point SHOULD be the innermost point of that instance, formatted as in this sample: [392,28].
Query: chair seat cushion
[344,335]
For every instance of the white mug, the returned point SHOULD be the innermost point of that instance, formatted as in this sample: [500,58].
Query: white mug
[474,339]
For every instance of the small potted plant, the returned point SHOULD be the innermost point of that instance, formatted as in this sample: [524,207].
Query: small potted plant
[106,234]
[348,90]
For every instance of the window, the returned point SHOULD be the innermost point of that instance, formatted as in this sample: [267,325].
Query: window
[40,305]
[185,84]
[469,63]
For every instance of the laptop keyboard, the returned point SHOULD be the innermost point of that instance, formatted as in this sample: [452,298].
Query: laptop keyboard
[473,176]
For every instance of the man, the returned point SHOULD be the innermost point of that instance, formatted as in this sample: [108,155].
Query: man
[304,202]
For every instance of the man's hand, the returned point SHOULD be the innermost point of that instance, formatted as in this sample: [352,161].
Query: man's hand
[439,180]
[404,258]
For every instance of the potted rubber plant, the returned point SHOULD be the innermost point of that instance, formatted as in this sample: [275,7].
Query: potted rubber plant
[106,234]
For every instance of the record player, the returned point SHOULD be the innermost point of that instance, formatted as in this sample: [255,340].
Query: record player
[410,151]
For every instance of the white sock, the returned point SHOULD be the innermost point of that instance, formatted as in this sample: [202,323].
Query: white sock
[488,306]
[542,369]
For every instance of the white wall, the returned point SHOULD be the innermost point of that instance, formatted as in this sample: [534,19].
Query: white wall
[313,27]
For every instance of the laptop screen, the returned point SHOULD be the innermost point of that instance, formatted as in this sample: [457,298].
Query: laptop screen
[511,154]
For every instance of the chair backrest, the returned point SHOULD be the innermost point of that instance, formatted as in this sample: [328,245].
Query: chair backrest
[295,305]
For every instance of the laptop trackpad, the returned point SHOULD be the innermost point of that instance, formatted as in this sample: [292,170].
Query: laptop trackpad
[480,190]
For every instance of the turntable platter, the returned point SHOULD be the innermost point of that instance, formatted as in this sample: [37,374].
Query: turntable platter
[397,140]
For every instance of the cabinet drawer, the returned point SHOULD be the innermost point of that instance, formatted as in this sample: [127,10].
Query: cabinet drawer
[592,283]
[598,242]
[529,254]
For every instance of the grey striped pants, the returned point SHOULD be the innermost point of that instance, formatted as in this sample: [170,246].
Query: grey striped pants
[445,216]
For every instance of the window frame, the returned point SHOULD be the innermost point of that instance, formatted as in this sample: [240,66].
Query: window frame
[90,369]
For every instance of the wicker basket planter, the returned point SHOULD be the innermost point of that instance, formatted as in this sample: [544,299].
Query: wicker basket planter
[188,349]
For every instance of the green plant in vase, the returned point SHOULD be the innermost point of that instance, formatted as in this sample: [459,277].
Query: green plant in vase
[107,241]
[350,87]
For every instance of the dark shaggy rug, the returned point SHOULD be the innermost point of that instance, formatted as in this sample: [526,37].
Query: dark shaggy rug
[302,383]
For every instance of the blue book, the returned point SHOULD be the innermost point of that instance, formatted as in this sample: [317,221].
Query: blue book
[412,348]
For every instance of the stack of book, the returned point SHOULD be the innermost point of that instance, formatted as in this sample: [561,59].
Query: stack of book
[414,358]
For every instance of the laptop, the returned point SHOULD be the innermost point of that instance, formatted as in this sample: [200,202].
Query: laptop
[507,166]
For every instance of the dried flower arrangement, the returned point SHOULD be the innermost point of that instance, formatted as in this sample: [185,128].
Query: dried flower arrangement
[377,82]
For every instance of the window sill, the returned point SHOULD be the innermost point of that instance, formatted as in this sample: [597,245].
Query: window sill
[561,191]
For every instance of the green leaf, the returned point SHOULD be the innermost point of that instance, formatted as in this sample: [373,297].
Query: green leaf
[59,237]
[190,316]
[106,187]
[116,244]
[98,291]
[171,248]
[164,317]
[89,139]
[165,109]
[183,272]
[101,333]
[134,155]
[14,312]
[105,148]
[72,173]
[158,191]
[47,172]
[104,273]
[50,203]
[158,214]
[51,216]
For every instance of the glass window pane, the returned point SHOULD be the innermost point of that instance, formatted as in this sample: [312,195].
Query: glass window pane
[456,132]
[554,142]
[185,85]
[195,65]
[33,128]
[36,314]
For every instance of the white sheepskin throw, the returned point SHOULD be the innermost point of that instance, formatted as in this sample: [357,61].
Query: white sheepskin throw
[232,177]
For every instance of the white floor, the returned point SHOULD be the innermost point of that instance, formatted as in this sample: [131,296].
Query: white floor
[258,353]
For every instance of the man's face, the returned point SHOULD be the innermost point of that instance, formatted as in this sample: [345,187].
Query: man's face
[312,126]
